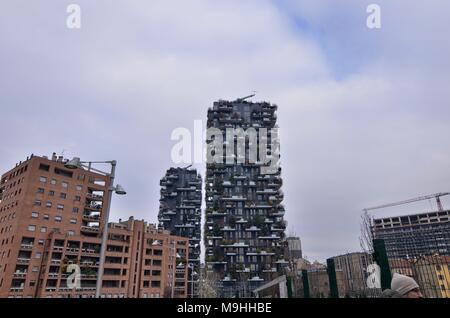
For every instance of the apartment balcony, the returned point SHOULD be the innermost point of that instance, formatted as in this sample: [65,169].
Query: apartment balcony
[50,289]
[94,197]
[267,191]
[186,206]
[91,218]
[214,237]
[241,221]
[272,237]
[89,251]
[55,262]
[228,229]
[263,206]
[278,213]
[215,214]
[20,275]
[169,213]
[262,253]
[89,264]
[93,207]
[90,229]
[26,246]
[216,262]
[16,289]
[244,270]
[253,229]
[23,260]
[235,245]
[272,270]
[58,248]
[53,275]
[234,198]
[72,250]
[256,279]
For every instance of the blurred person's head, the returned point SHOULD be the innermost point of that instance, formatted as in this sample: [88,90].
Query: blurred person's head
[405,286]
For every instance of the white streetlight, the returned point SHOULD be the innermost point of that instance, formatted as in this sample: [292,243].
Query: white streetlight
[76,163]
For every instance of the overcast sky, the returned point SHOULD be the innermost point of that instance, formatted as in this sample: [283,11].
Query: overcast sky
[364,114]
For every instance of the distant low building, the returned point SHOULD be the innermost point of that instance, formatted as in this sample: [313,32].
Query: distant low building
[354,268]
[319,283]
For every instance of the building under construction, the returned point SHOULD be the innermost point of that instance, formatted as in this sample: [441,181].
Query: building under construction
[418,245]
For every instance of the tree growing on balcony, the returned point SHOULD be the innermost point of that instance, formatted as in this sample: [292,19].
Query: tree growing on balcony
[232,221]
[216,231]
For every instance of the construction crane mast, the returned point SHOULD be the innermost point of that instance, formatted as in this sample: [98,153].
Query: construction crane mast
[427,197]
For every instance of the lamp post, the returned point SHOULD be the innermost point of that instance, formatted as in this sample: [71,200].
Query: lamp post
[174,267]
[76,163]
[193,272]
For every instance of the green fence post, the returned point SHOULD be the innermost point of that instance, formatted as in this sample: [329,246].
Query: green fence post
[306,293]
[289,287]
[331,270]
[380,257]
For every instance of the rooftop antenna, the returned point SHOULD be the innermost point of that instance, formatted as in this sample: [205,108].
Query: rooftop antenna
[246,97]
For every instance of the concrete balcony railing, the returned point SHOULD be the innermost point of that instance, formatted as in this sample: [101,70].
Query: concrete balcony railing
[72,250]
[16,289]
[20,275]
[94,207]
[22,260]
[91,218]
[90,251]
[90,229]
[50,289]
[94,197]
[25,246]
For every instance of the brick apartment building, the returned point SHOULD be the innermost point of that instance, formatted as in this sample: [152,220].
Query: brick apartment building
[52,217]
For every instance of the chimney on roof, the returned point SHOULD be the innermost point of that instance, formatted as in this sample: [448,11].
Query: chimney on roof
[54,156]
[60,158]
